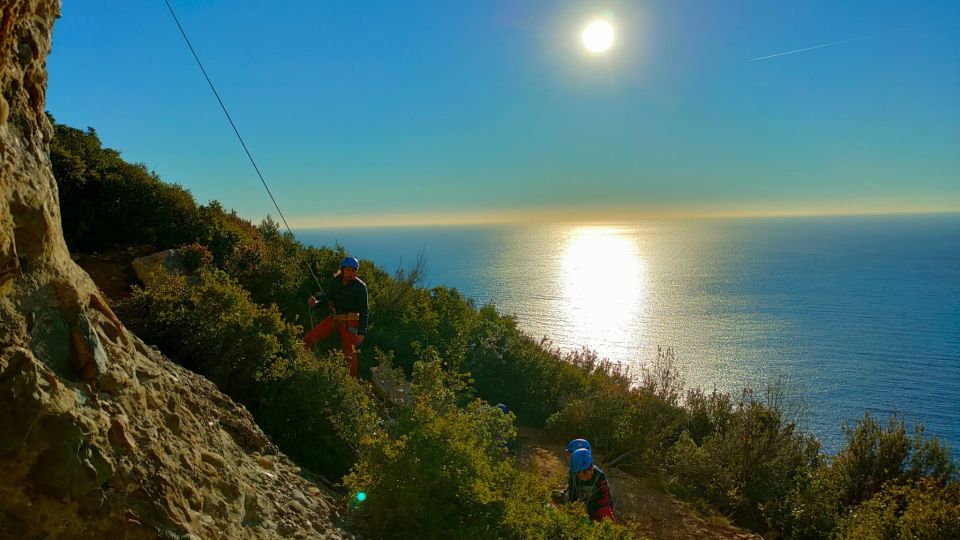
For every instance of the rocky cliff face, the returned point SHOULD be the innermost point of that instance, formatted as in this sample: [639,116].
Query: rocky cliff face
[100,436]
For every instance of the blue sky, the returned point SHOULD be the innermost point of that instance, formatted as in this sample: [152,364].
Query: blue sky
[371,113]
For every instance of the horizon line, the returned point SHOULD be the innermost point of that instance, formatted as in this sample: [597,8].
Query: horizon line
[574,217]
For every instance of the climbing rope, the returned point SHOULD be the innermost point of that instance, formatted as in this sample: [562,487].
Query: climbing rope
[235,130]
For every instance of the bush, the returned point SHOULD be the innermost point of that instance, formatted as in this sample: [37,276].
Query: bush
[631,425]
[504,362]
[215,329]
[224,233]
[749,457]
[195,256]
[874,458]
[527,516]
[448,466]
[926,509]
[105,201]
[437,462]
[319,414]
[874,455]
[311,407]
[811,508]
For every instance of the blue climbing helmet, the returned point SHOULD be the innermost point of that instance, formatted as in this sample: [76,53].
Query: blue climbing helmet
[581,460]
[577,444]
[350,262]
[502,407]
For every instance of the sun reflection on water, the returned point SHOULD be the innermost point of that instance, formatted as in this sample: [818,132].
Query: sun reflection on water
[603,287]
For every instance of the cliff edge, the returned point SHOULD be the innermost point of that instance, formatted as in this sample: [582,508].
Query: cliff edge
[100,435]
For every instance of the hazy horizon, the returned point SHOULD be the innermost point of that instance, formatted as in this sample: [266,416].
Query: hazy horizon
[561,217]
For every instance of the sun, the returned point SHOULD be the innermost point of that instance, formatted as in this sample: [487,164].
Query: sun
[598,36]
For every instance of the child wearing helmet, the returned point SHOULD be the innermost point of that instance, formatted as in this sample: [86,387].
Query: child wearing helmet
[346,296]
[573,446]
[590,485]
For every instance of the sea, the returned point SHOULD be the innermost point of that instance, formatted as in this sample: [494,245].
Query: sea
[845,314]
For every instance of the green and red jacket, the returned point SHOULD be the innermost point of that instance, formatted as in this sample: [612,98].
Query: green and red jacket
[596,491]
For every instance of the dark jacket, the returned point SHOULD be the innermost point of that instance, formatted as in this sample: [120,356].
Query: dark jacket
[596,491]
[349,298]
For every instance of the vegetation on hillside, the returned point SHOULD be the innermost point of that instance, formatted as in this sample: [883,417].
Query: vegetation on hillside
[443,457]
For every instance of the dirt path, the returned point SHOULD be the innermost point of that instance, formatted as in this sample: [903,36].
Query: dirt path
[650,510]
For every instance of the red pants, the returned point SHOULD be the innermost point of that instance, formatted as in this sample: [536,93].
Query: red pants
[602,513]
[347,338]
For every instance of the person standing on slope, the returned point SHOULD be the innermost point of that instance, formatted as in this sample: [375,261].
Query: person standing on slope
[590,485]
[346,296]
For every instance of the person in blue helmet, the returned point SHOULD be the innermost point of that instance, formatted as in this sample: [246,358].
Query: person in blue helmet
[577,444]
[346,296]
[590,485]
[573,446]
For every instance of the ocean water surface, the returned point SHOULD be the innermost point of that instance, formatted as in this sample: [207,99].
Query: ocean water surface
[850,313]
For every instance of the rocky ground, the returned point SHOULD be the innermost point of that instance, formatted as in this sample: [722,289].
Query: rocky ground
[157,452]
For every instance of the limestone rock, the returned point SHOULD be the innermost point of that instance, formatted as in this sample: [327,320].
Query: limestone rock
[100,435]
[120,433]
[154,269]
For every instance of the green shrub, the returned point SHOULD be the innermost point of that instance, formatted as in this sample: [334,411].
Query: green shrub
[811,508]
[750,458]
[318,414]
[631,425]
[527,516]
[225,232]
[105,201]
[439,469]
[406,318]
[311,407]
[195,256]
[874,455]
[215,329]
[504,362]
[628,427]
[926,509]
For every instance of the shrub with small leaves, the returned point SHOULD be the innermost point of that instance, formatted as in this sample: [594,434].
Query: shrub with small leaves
[750,456]
[925,509]
[195,256]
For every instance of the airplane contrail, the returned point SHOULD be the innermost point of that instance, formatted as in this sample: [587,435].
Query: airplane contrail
[859,38]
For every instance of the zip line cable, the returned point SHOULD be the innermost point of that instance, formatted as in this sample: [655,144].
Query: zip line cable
[235,130]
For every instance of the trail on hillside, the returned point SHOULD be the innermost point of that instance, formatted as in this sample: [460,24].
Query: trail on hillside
[638,501]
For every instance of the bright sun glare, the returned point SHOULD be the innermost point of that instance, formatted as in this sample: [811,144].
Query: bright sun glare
[598,36]
[603,286]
